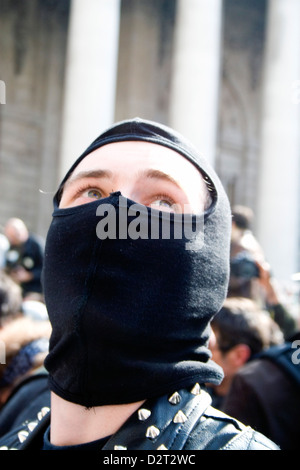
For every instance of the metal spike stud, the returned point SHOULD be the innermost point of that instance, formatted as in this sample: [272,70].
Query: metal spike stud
[22,435]
[152,432]
[4,448]
[143,414]
[32,425]
[45,410]
[120,448]
[162,447]
[180,417]
[175,398]
[196,390]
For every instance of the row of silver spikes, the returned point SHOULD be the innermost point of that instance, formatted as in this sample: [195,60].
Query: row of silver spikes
[23,434]
[176,398]
[143,414]
[152,431]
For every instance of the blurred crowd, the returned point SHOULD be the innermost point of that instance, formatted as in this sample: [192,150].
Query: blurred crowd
[252,339]
[24,324]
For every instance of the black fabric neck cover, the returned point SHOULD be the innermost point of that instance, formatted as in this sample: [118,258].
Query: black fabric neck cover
[131,318]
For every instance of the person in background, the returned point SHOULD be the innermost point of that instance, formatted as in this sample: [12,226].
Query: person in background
[250,273]
[261,382]
[24,257]
[242,237]
[245,251]
[25,341]
[265,394]
[241,330]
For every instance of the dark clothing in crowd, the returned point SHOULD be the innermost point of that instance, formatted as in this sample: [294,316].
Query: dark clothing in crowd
[264,396]
[28,255]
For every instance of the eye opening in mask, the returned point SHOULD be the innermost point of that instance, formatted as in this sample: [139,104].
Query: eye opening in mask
[211,193]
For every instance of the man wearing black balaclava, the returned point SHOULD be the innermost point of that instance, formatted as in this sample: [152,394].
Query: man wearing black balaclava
[136,265]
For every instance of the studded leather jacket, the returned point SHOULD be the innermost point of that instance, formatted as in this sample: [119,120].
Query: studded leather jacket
[183,421]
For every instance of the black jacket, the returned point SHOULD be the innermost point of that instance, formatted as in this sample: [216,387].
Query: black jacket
[183,421]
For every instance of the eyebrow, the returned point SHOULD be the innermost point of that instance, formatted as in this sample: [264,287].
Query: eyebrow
[151,173]
[88,174]
[157,174]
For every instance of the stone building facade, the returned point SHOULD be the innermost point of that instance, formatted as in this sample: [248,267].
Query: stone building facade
[224,72]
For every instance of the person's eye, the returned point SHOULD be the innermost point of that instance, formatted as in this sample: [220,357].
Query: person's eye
[88,192]
[163,203]
[94,194]
[81,193]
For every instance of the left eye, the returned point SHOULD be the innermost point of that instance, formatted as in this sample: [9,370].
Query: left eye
[94,194]
[162,202]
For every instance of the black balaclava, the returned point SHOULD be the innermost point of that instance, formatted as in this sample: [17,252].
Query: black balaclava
[131,318]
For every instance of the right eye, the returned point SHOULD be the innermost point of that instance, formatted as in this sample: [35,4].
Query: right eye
[94,194]
[81,193]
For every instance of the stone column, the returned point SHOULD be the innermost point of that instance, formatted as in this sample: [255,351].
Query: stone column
[195,87]
[278,185]
[91,70]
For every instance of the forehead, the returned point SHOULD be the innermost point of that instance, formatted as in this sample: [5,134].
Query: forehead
[131,156]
